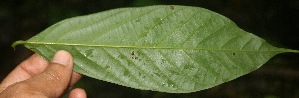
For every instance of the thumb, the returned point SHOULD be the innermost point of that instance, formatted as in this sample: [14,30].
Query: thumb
[54,80]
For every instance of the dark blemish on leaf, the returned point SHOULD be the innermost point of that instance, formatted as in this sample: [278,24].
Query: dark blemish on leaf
[171,7]
[138,20]
[163,60]
[134,55]
[234,53]
[126,72]
[107,67]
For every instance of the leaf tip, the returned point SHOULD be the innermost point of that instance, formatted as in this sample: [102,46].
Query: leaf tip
[13,45]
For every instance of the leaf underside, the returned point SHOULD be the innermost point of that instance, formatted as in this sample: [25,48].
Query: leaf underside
[175,49]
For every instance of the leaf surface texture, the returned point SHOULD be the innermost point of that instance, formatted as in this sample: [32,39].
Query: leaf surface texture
[175,49]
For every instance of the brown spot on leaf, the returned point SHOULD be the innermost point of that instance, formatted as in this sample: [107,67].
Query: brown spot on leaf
[171,7]
[134,55]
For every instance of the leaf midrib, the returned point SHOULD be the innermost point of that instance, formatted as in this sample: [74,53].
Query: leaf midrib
[151,47]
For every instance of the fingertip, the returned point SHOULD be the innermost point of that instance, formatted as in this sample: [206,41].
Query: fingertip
[75,77]
[78,93]
[63,57]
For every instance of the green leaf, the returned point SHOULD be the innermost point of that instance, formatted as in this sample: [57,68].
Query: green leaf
[175,49]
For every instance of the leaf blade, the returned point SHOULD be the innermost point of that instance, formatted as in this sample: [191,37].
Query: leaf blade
[178,50]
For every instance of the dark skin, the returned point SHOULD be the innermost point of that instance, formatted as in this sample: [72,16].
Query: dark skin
[38,78]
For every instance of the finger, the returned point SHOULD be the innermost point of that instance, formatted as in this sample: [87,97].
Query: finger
[25,70]
[77,93]
[55,79]
[75,77]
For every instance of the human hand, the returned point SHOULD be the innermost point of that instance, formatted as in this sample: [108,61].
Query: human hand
[37,78]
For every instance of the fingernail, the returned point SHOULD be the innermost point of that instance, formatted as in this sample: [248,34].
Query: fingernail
[62,57]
